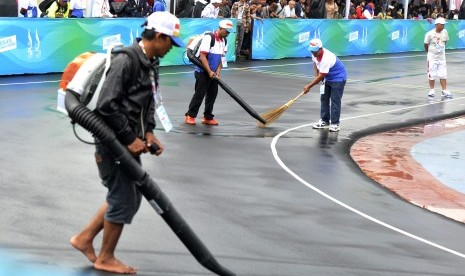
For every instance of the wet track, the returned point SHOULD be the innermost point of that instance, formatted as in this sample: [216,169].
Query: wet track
[285,200]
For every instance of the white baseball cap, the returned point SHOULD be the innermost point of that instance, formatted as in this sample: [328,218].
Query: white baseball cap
[216,1]
[227,24]
[165,23]
[440,20]
[315,44]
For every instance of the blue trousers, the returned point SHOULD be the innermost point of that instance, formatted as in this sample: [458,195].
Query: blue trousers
[331,101]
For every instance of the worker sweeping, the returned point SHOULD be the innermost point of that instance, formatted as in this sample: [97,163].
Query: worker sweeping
[331,74]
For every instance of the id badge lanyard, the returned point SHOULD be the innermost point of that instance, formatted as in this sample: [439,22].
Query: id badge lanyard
[159,108]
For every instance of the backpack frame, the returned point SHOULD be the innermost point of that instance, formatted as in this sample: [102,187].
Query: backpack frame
[195,50]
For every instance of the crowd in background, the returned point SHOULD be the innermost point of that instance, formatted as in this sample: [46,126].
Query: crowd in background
[245,11]
[257,9]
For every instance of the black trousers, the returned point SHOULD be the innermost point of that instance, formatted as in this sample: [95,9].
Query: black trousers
[207,88]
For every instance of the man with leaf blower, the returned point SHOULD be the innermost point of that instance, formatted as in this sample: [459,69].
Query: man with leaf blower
[127,105]
[213,59]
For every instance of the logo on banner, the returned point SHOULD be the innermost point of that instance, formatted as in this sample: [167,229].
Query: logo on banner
[8,43]
[461,33]
[109,40]
[304,37]
[353,36]
[395,35]
[365,36]
[131,37]
[33,46]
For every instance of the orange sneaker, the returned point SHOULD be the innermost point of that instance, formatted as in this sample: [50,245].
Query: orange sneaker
[211,122]
[189,120]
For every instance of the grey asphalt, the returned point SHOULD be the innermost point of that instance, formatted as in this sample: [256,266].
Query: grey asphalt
[285,200]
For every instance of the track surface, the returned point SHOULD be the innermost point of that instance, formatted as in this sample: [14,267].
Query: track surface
[283,200]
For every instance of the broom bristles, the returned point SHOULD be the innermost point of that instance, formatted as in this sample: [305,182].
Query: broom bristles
[273,114]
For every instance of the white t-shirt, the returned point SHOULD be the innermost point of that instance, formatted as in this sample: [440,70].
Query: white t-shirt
[288,12]
[101,8]
[436,44]
[368,14]
[27,3]
[210,11]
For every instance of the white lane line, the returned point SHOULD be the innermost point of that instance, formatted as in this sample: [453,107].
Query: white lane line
[348,207]
[24,83]
[261,66]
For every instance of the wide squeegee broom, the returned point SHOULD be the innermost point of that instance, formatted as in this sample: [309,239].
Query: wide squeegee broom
[274,114]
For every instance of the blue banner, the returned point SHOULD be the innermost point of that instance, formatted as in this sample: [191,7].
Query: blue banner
[280,38]
[40,45]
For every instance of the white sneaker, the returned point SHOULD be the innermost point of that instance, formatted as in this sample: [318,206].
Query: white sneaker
[431,93]
[446,94]
[320,124]
[334,128]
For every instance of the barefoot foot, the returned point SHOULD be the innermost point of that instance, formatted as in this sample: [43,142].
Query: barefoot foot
[85,247]
[114,265]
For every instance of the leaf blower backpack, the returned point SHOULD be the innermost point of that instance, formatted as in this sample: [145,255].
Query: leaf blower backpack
[194,42]
[86,73]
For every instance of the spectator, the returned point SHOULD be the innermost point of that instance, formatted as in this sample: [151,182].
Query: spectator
[441,12]
[141,8]
[359,10]
[462,11]
[212,10]
[435,13]
[280,9]
[300,8]
[76,8]
[445,7]
[424,9]
[331,75]
[369,12]
[272,10]
[435,47]
[266,10]
[241,11]
[184,8]
[247,41]
[58,9]
[101,8]
[261,4]
[382,14]
[159,5]
[317,9]
[352,13]
[453,15]
[225,10]
[332,10]
[436,4]
[289,10]
[205,85]
[28,8]
[121,8]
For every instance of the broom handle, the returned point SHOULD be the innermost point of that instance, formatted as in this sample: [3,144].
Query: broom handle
[295,99]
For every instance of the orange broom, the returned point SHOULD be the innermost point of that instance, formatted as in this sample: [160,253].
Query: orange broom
[274,114]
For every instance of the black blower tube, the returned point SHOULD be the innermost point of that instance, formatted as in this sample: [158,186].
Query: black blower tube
[195,60]
[151,191]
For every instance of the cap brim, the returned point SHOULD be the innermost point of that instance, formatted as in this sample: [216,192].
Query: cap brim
[314,48]
[177,41]
[230,30]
